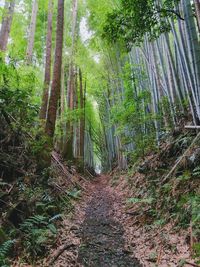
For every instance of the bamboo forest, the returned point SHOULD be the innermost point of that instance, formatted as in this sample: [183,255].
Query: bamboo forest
[99,133]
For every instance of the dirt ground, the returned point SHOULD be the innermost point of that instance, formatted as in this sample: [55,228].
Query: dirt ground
[102,234]
[102,240]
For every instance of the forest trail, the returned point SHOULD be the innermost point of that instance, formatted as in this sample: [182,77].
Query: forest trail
[96,232]
[102,240]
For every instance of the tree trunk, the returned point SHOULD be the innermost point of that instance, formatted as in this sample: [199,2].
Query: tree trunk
[74,18]
[55,89]
[76,123]
[193,45]
[197,11]
[68,150]
[29,51]
[185,70]
[47,76]
[6,24]
[82,119]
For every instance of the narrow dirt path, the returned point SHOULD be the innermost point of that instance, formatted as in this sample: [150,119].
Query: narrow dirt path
[102,241]
[94,236]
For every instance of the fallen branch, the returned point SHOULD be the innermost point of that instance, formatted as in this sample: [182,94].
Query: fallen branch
[181,158]
[191,236]
[66,172]
[89,173]
[159,256]
[10,189]
[60,251]
[192,127]
[192,264]
[61,167]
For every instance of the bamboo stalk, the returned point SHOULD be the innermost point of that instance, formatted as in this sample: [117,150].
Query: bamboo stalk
[192,127]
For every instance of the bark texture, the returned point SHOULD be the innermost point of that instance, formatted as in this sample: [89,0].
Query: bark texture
[68,151]
[47,76]
[6,24]
[82,119]
[56,83]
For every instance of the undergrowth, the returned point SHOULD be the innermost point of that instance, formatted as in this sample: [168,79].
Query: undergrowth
[34,219]
[4,252]
[177,199]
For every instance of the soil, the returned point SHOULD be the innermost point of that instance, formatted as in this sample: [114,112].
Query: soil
[95,235]
[102,241]
[103,233]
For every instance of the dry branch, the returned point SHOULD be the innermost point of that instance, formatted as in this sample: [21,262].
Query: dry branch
[180,159]
[192,264]
[66,172]
[89,173]
[60,251]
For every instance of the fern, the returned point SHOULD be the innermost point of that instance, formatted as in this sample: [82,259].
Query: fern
[4,250]
[32,222]
[196,172]
[195,205]
[38,232]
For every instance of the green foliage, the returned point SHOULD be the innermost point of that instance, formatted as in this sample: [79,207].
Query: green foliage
[40,34]
[138,200]
[18,86]
[196,249]
[160,222]
[38,232]
[196,172]
[195,206]
[182,263]
[167,188]
[40,144]
[74,193]
[133,114]
[190,204]
[166,109]
[4,251]
[133,19]
[98,11]
[185,176]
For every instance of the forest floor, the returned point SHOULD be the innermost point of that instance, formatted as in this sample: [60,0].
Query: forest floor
[102,232]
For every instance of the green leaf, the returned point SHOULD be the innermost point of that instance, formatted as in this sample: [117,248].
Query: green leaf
[138,200]
[52,228]
[74,193]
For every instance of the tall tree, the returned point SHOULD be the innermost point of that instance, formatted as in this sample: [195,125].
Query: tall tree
[82,119]
[47,75]
[31,38]
[56,83]
[68,151]
[6,24]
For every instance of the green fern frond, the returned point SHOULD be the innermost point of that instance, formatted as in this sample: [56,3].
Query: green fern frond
[4,250]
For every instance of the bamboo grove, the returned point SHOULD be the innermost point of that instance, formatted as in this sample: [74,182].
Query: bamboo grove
[108,80]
